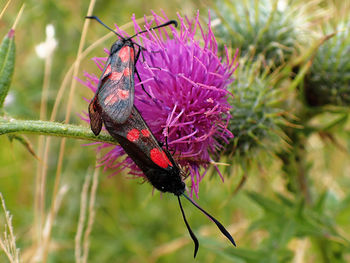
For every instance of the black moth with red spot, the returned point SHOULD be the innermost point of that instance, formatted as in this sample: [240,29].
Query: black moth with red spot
[131,131]
[156,163]
[115,91]
[140,144]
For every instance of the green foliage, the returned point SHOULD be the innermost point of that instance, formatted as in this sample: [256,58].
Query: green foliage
[256,111]
[272,254]
[328,81]
[7,64]
[287,219]
[263,27]
[294,201]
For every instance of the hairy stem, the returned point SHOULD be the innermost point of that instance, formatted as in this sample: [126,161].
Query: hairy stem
[10,126]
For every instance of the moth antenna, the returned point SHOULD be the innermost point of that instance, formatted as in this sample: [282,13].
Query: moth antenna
[174,22]
[218,224]
[99,20]
[193,236]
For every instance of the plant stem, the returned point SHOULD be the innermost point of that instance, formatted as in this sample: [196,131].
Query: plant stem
[9,126]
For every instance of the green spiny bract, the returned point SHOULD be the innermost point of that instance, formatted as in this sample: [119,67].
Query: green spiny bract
[328,81]
[256,111]
[259,27]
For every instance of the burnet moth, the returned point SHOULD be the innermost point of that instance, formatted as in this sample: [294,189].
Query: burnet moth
[156,163]
[115,91]
[138,141]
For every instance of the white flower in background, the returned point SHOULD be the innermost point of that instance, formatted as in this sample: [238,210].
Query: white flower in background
[282,5]
[45,49]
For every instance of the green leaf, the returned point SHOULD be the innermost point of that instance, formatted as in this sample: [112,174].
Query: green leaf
[25,142]
[266,255]
[284,200]
[337,122]
[7,64]
[267,204]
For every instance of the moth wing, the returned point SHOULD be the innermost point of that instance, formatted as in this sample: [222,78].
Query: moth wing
[94,106]
[116,90]
[95,116]
[138,145]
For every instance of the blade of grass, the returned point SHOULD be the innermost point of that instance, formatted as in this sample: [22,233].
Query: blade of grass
[67,118]
[8,244]
[42,166]
[82,217]
[91,213]
[4,9]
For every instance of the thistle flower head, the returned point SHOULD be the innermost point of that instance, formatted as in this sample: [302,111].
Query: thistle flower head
[187,82]
[271,28]
[257,111]
[328,81]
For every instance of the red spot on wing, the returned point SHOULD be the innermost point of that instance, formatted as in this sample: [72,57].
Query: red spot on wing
[125,53]
[133,135]
[115,97]
[123,94]
[127,72]
[159,157]
[145,132]
[132,54]
[116,76]
[111,99]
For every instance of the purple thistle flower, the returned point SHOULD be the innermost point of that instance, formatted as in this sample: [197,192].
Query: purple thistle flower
[188,85]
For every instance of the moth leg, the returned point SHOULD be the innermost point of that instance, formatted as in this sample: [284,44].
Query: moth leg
[166,138]
[143,87]
[143,49]
[137,73]
[138,52]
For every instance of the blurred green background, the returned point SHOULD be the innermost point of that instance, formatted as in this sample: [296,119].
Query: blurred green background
[286,192]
